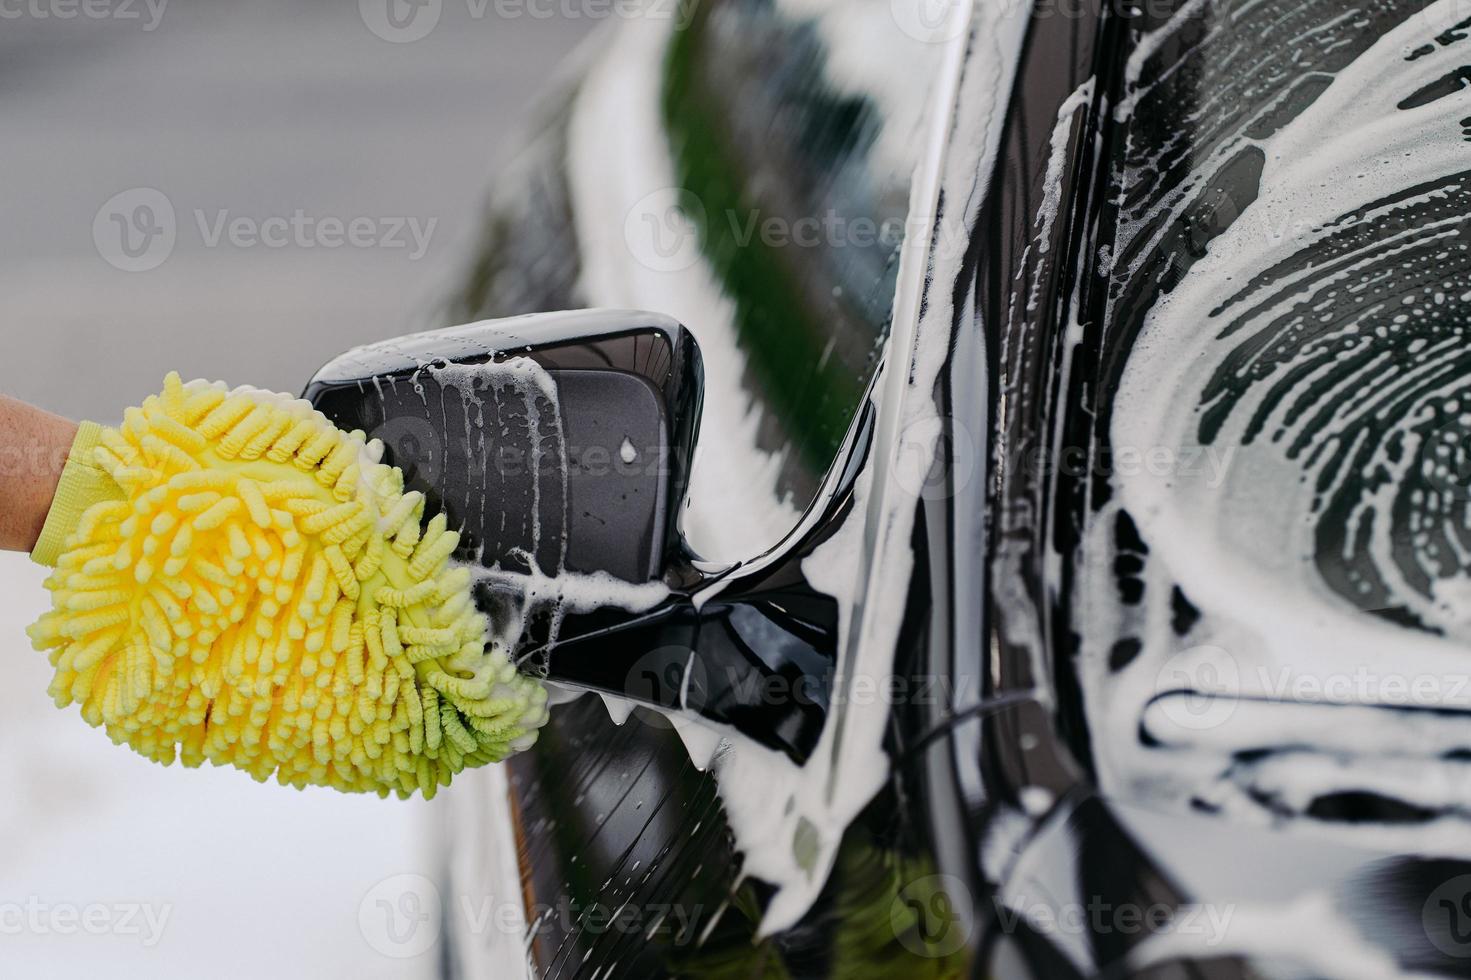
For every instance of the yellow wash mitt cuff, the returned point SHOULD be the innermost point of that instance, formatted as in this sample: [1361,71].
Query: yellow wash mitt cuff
[83,483]
[238,580]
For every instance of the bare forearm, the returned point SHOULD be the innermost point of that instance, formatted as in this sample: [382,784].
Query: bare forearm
[33,447]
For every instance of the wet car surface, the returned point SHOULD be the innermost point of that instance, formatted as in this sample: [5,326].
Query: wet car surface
[1225,234]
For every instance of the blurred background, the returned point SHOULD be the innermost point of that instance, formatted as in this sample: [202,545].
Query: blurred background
[270,129]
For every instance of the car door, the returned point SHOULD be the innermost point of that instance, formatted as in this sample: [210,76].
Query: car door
[1225,286]
[749,170]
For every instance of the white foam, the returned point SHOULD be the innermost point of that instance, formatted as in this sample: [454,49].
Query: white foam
[1241,548]
[1307,931]
[700,740]
[618,708]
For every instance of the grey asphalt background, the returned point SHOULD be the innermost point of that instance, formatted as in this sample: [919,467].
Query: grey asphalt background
[247,109]
[257,108]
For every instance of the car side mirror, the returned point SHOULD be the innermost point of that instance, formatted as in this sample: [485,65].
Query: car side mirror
[557,442]
[560,444]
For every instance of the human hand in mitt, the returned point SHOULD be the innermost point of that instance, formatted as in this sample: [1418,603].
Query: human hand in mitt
[238,580]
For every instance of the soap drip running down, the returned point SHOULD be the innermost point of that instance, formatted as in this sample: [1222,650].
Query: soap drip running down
[487,443]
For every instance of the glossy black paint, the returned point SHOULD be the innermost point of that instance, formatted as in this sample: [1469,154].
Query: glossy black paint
[1012,722]
[530,479]
[1030,729]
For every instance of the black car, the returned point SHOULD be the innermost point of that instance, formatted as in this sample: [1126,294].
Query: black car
[1029,534]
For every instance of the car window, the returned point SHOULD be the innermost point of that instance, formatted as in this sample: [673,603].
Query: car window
[743,166]
[795,128]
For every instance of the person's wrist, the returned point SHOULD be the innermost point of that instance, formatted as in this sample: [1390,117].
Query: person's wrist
[79,485]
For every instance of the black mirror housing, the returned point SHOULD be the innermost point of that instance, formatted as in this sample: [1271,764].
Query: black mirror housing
[561,443]
[555,442]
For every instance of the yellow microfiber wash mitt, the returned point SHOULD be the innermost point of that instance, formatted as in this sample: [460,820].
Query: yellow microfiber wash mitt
[238,580]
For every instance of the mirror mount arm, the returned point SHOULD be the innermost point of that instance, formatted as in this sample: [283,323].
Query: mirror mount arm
[767,641]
